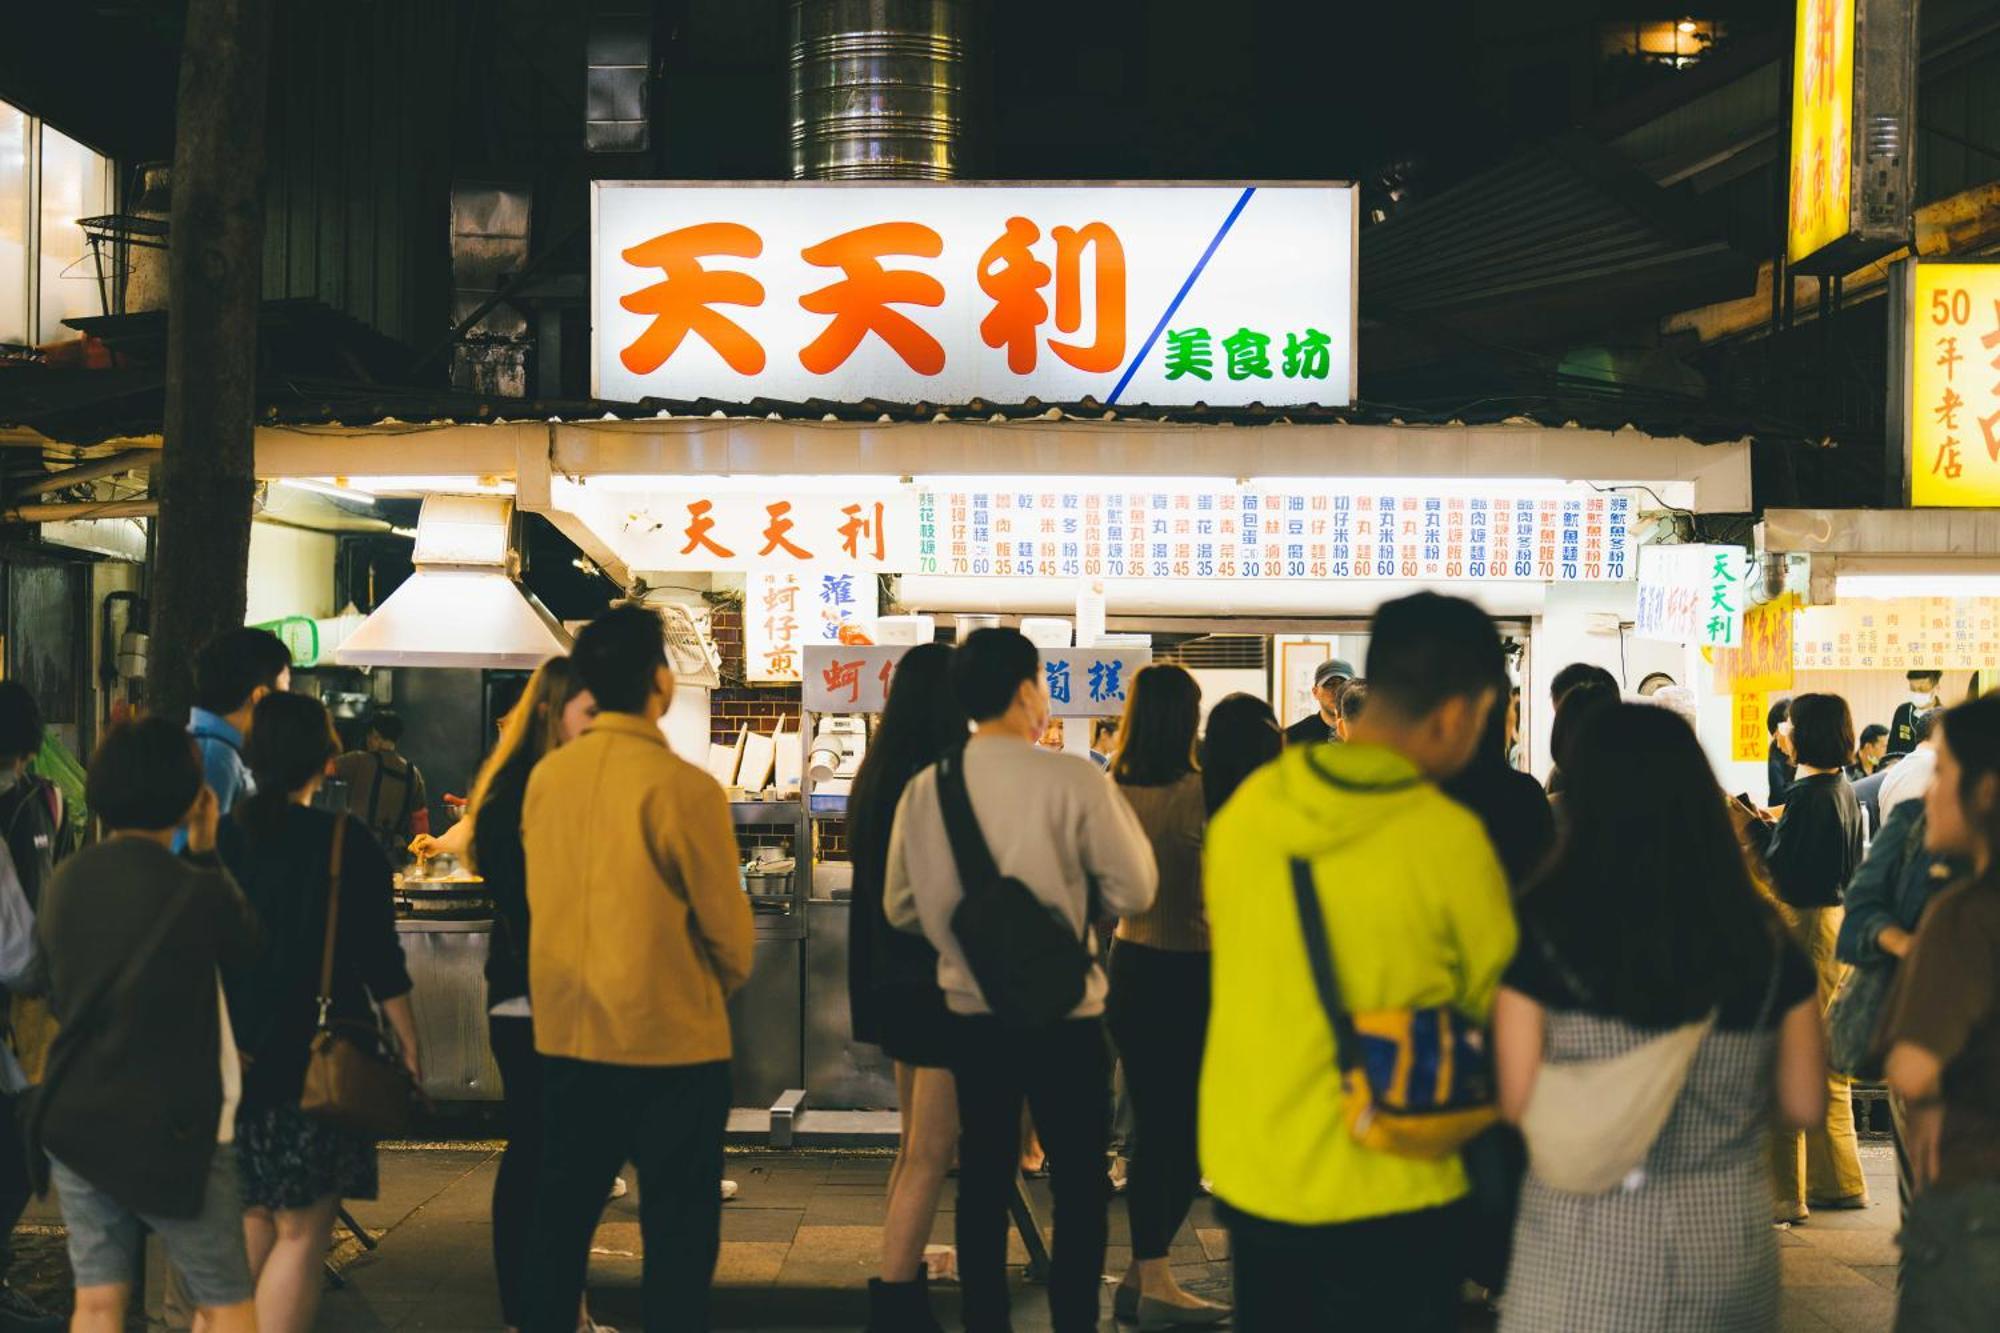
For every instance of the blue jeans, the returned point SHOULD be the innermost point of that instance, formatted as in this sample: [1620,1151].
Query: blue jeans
[107,1239]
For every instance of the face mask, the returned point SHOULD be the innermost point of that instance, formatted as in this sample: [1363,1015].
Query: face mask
[1921,698]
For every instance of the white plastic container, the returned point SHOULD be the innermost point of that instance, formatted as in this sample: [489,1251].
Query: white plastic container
[1089,613]
[968,624]
[905,629]
[1046,631]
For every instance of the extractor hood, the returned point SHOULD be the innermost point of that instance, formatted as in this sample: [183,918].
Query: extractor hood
[462,607]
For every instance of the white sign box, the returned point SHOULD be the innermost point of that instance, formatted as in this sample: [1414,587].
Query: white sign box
[1692,594]
[1127,294]
[779,527]
[784,610]
[1082,682]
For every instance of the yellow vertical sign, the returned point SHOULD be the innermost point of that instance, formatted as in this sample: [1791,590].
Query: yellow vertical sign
[1822,126]
[1748,741]
[1954,402]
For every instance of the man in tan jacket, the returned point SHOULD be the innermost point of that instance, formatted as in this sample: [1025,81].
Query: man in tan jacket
[640,931]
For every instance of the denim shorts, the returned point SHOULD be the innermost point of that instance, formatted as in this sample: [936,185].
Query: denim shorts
[106,1239]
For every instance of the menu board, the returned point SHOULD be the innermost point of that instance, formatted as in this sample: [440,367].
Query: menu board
[1556,535]
[1903,634]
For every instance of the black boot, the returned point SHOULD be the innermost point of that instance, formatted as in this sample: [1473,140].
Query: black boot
[901,1307]
[922,1320]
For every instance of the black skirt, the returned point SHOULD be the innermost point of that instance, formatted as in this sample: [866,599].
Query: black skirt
[287,1159]
[913,1025]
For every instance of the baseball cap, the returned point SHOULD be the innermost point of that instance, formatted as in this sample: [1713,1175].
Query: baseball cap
[1331,670]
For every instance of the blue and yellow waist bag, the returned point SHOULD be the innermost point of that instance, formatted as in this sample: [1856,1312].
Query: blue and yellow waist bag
[1415,1082]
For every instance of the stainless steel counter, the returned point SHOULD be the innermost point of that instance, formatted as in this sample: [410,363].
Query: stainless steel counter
[447,962]
[842,1074]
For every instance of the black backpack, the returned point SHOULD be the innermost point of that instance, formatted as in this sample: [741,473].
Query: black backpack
[392,837]
[1031,967]
[28,824]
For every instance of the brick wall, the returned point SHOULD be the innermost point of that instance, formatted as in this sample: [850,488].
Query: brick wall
[735,706]
[762,708]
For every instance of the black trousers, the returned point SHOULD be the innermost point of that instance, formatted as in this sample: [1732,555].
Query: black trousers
[513,1041]
[1064,1074]
[1396,1274]
[669,1122]
[15,1188]
[1158,1016]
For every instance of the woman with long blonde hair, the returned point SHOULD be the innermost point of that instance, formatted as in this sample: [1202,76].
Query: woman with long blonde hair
[554,710]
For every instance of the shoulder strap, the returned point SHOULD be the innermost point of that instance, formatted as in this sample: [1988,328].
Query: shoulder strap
[969,851]
[409,796]
[1319,953]
[332,914]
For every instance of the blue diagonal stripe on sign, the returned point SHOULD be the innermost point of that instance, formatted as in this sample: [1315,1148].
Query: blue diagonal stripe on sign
[1181,295]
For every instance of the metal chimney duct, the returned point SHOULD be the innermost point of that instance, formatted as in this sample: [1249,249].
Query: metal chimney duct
[878,88]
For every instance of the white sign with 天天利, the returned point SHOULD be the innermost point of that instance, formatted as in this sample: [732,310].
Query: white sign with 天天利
[1131,295]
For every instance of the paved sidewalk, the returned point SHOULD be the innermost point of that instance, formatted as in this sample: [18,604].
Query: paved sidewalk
[800,1241]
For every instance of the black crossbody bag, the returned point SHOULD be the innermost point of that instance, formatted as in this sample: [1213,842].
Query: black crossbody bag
[1030,966]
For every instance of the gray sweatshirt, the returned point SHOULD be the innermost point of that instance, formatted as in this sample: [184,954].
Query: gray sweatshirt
[1053,822]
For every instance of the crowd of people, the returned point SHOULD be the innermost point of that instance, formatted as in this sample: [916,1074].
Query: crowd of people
[1310,923]
[1412,1021]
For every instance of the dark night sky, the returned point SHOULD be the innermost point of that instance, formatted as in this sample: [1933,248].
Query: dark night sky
[1183,89]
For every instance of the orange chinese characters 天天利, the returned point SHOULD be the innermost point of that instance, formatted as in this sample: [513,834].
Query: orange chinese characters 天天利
[698,528]
[1010,274]
[860,301]
[858,529]
[1016,288]
[774,535]
[680,304]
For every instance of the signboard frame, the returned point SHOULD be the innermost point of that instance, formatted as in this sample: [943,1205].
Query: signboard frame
[1903,411]
[874,669]
[1881,137]
[1702,583]
[1143,333]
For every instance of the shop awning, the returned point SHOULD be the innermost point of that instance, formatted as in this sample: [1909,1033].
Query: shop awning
[1890,552]
[1716,477]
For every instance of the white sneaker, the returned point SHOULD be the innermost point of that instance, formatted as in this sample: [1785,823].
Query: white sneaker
[730,1189]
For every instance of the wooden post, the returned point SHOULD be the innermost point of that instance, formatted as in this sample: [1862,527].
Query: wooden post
[207,477]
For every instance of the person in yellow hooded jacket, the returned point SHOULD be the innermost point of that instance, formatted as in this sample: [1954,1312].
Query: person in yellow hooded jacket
[1326,1233]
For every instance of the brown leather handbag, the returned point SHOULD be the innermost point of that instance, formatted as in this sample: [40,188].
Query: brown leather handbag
[354,1079]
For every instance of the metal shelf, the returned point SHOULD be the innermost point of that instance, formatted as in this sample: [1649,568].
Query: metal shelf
[780,918]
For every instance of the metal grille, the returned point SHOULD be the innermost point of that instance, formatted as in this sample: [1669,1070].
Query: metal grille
[687,651]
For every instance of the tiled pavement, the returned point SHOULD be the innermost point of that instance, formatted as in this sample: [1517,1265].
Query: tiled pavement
[800,1242]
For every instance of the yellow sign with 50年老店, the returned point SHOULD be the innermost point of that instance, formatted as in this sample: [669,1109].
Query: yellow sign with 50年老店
[1954,377]
[1822,127]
